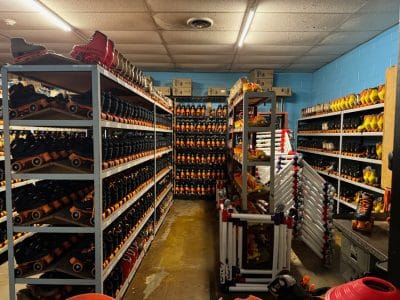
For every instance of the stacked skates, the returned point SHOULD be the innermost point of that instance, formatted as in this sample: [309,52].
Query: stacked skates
[82,153]
[100,49]
[363,220]
[83,208]
[23,51]
[82,259]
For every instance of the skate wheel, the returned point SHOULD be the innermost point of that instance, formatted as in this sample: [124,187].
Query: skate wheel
[37,161]
[38,266]
[33,107]
[76,215]
[17,166]
[18,220]
[36,214]
[18,272]
[73,108]
[90,114]
[93,272]
[76,162]
[13,114]
[77,267]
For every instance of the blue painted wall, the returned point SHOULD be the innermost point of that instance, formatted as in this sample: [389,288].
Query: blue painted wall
[358,69]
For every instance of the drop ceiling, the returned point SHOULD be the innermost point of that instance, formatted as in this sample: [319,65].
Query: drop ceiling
[295,35]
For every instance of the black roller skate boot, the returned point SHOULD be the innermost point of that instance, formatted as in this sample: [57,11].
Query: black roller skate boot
[23,51]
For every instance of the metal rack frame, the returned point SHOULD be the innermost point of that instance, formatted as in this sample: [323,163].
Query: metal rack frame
[340,156]
[42,73]
[246,99]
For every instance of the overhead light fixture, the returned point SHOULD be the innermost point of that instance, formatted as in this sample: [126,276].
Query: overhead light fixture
[246,27]
[200,23]
[49,14]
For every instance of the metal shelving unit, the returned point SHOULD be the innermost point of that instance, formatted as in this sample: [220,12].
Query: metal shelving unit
[241,104]
[80,79]
[340,155]
[208,101]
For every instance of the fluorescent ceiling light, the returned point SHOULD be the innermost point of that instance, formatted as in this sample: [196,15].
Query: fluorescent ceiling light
[246,27]
[49,14]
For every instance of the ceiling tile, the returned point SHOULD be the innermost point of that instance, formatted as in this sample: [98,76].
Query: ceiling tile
[139,58]
[156,66]
[261,59]
[178,21]
[24,20]
[126,37]
[379,6]
[204,59]
[44,36]
[311,59]
[201,49]
[285,38]
[370,21]
[107,21]
[330,49]
[199,6]
[310,6]
[95,5]
[352,38]
[211,67]
[248,67]
[4,47]
[142,48]
[297,22]
[200,37]
[273,50]
[15,6]
[305,67]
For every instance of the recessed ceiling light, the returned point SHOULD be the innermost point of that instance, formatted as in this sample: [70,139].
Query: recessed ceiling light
[10,22]
[200,23]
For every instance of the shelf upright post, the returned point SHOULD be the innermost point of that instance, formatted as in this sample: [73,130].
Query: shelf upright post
[245,146]
[272,157]
[98,188]
[7,169]
[155,164]
[340,161]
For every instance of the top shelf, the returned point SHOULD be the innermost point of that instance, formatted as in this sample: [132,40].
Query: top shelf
[254,98]
[347,111]
[200,99]
[76,78]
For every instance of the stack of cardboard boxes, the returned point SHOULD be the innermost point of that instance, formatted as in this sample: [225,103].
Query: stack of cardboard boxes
[182,87]
[263,77]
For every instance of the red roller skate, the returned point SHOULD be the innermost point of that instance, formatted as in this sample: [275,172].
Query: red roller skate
[364,220]
[23,51]
[99,49]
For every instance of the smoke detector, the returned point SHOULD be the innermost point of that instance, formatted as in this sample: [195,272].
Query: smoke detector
[200,23]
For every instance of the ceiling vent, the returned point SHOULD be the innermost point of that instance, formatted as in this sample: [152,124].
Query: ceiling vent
[200,23]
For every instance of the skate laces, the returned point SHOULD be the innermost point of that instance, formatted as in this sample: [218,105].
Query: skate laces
[364,205]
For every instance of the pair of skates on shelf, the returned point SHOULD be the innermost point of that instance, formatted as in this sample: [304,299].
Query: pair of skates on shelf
[25,100]
[31,150]
[36,202]
[364,220]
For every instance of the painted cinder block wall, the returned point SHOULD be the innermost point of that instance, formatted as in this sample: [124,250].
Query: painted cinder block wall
[360,68]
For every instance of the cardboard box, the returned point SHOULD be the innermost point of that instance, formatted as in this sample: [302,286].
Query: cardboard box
[265,83]
[261,73]
[281,91]
[182,91]
[217,91]
[163,90]
[182,82]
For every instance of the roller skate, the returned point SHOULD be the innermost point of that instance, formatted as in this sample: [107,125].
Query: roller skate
[82,153]
[31,206]
[99,49]
[83,259]
[23,51]
[81,105]
[29,152]
[83,207]
[364,220]
[25,100]
[34,254]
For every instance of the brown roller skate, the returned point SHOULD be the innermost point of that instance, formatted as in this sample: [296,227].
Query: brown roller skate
[364,220]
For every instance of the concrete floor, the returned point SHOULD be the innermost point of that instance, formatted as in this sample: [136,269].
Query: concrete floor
[182,262]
